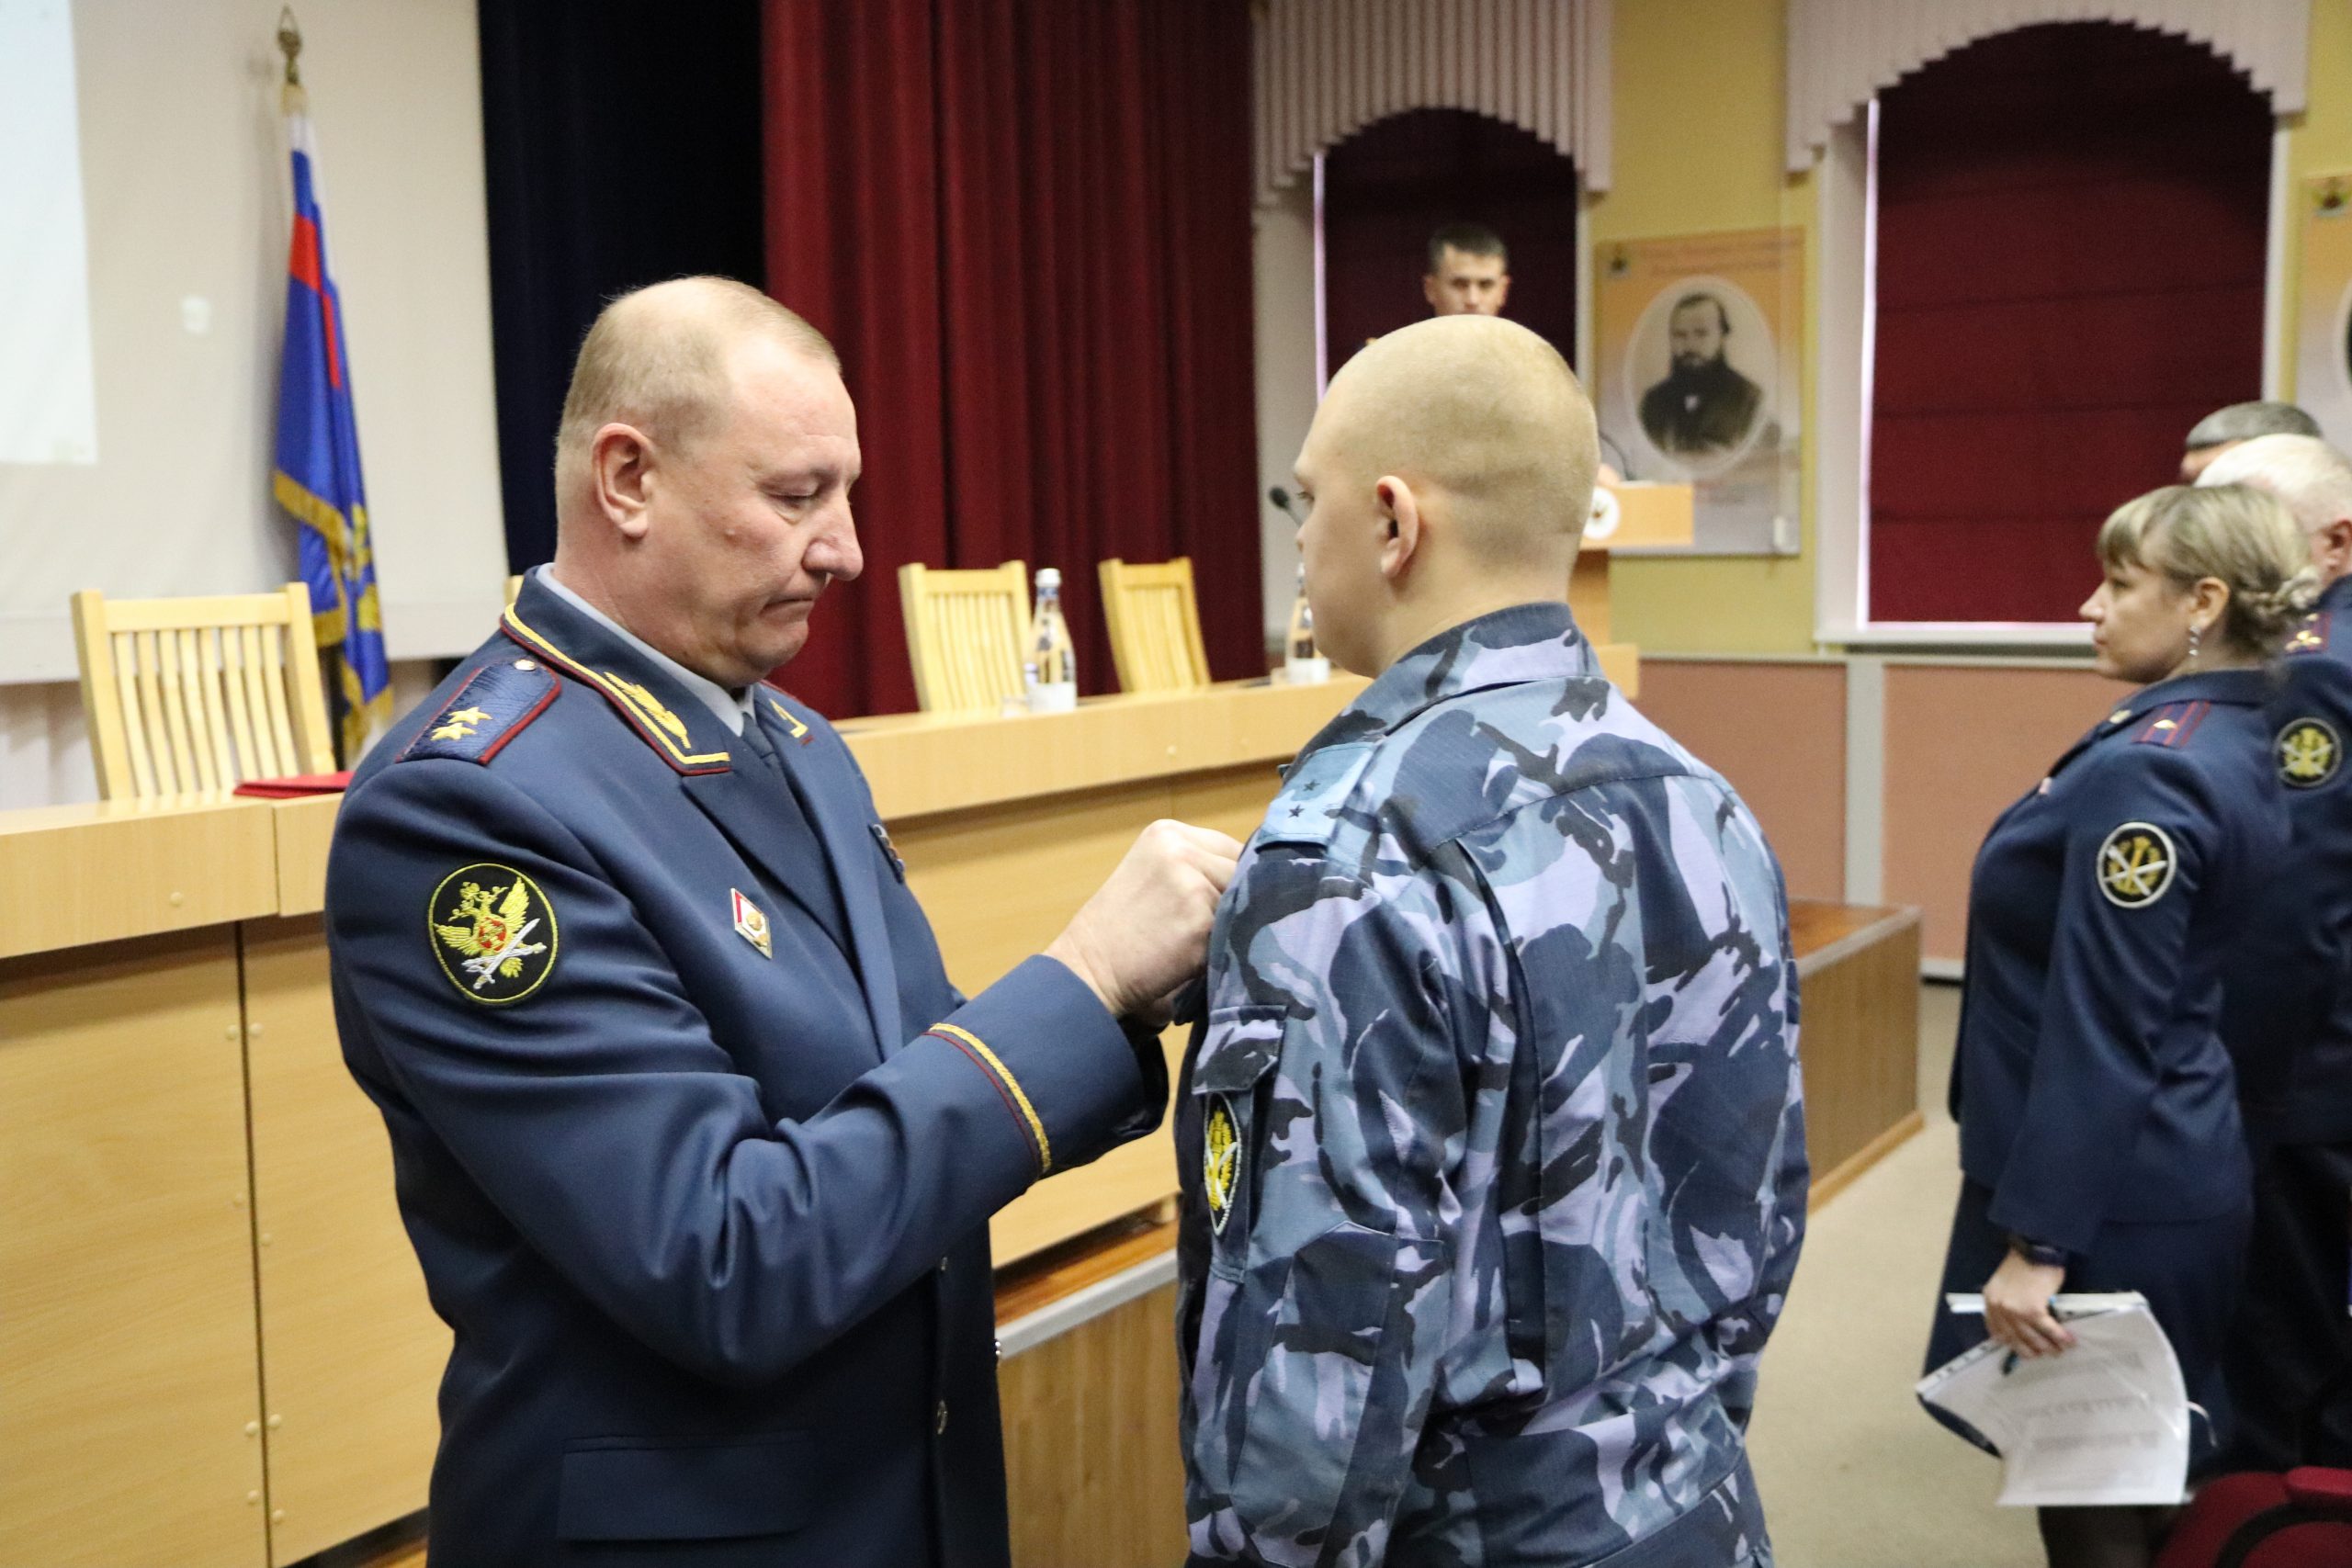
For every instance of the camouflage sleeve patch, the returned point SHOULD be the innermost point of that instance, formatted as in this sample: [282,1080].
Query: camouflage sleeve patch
[495,704]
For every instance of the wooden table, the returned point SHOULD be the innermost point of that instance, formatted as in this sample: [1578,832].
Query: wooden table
[213,1336]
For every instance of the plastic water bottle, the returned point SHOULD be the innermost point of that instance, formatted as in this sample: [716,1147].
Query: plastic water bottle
[1302,664]
[1051,669]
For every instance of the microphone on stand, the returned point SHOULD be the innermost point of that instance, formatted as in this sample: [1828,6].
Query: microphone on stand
[1282,499]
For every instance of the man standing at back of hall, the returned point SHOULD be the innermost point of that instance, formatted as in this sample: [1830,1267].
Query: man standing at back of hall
[1469,270]
[1491,1144]
[695,1140]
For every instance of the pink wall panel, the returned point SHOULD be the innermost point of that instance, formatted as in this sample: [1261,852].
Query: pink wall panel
[1961,743]
[1778,733]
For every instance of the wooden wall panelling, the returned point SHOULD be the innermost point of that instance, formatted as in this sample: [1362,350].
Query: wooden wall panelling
[130,1423]
[1962,743]
[1095,1475]
[1778,732]
[351,1351]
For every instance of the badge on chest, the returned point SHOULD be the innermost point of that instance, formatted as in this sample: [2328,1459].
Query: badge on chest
[751,924]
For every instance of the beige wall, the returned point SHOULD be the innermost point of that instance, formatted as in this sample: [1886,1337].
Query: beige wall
[1697,91]
[1963,743]
[1778,732]
[1283,247]
[1876,780]
[184,176]
[186,181]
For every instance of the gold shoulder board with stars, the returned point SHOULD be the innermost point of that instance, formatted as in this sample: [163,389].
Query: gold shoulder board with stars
[494,932]
[2312,635]
[2136,865]
[1220,1161]
[2310,752]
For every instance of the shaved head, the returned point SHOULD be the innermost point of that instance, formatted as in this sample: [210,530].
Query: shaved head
[1481,414]
[657,359]
[1448,472]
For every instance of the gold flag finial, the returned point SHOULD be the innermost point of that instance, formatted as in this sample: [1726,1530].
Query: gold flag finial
[289,44]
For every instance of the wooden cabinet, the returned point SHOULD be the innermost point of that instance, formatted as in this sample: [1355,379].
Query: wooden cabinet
[129,1398]
[351,1353]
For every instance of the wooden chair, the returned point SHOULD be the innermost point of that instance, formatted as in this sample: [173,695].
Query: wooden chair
[197,695]
[964,634]
[1155,625]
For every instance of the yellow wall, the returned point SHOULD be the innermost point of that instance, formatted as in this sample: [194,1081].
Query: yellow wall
[1699,87]
[1696,148]
[2318,142]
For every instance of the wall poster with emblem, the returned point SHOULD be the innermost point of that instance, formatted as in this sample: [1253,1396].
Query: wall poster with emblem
[1699,340]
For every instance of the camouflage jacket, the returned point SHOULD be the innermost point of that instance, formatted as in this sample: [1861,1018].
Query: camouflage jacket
[1491,1143]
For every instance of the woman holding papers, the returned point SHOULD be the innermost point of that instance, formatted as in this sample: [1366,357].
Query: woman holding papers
[2099,1122]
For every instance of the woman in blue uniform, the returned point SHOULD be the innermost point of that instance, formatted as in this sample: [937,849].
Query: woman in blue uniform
[2098,1124]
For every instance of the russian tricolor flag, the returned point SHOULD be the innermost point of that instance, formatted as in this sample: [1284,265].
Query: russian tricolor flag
[317,479]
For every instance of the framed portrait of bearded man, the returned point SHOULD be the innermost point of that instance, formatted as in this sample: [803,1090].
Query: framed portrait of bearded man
[1697,383]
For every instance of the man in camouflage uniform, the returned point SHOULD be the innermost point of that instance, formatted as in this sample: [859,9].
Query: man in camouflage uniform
[1491,1144]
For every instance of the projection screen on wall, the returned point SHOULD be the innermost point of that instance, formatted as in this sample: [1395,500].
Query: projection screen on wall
[48,403]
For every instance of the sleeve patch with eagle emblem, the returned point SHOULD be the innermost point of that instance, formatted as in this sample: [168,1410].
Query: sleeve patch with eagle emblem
[2310,752]
[2135,864]
[494,932]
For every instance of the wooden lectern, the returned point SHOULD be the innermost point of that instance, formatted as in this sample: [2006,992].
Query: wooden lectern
[1645,514]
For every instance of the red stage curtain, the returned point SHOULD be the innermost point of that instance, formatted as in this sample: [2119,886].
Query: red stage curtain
[2070,274]
[1025,225]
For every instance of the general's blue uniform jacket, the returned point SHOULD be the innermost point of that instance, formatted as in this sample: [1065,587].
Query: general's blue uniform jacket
[695,1140]
[2091,1083]
[2289,1015]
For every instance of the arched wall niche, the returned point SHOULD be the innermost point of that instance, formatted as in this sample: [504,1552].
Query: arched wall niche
[1842,53]
[1326,68]
[1392,182]
[2071,236]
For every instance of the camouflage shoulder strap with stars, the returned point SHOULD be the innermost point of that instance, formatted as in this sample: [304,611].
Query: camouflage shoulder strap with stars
[1309,810]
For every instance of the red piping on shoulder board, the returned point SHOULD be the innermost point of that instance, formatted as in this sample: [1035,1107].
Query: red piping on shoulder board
[522,720]
[536,708]
[2184,722]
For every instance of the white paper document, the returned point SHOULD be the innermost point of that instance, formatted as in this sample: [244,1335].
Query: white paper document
[2104,1424]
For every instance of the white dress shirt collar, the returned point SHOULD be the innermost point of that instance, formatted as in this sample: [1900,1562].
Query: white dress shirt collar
[731,708]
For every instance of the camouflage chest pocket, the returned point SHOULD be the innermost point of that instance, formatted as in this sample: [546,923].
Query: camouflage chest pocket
[1232,1078]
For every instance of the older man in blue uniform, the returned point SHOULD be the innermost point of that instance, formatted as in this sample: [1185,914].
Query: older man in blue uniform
[2290,1008]
[1493,1155]
[696,1141]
